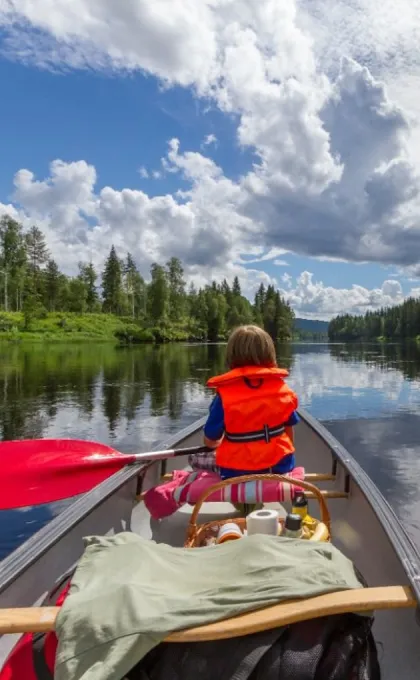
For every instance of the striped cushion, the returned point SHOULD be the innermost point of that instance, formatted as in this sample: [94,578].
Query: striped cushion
[257,491]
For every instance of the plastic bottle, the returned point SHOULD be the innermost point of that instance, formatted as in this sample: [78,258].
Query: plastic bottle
[292,526]
[228,532]
[300,506]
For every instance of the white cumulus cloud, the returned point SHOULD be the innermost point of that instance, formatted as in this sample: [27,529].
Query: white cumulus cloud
[210,139]
[318,93]
[312,299]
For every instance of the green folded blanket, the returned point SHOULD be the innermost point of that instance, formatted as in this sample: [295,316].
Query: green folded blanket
[128,593]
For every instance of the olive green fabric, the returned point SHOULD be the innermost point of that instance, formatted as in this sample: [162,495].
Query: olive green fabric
[128,593]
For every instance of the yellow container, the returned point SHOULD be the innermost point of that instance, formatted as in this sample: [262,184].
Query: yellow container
[300,506]
[321,533]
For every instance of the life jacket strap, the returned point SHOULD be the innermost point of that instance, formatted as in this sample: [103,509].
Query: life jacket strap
[266,434]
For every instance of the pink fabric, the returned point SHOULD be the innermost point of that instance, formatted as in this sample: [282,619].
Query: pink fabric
[186,487]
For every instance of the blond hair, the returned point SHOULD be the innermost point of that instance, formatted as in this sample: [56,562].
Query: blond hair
[250,346]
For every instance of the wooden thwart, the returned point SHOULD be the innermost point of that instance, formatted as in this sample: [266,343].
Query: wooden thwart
[319,477]
[309,477]
[42,619]
[325,493]
[328,494]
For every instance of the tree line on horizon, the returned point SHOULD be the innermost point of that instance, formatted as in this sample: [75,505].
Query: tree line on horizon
[391,323]
[32,283]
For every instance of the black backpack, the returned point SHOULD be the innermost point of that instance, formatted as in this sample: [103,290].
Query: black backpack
[339,647]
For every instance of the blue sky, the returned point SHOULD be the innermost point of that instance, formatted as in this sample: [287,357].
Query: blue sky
[312,153]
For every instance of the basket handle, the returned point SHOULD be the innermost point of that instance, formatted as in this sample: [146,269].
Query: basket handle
[325,514]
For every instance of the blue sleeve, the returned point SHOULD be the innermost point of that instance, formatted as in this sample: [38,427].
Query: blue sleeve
[293,420]
[215,425]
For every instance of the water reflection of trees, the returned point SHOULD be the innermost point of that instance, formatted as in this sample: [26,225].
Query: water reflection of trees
[36,381]
[403,357]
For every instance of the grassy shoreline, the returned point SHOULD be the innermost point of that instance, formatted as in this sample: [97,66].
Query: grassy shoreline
[56,327]
[71,327]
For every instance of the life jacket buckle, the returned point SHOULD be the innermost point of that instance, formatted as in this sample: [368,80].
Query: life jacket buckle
[267,434]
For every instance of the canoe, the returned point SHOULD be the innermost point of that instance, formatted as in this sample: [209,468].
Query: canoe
[364,527]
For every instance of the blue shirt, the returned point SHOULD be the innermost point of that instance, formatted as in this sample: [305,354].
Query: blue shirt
[215,426]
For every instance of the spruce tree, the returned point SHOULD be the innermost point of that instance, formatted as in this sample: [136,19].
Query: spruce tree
[112,284]
[52,285]
[176,284]
[88,275]
[134,287]
[158,294]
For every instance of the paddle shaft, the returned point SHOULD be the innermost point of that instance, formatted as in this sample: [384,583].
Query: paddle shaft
[168,453]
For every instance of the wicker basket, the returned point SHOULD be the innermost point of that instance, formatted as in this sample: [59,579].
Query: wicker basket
[199,535]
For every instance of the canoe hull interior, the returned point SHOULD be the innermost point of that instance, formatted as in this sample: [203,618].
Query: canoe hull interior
[363,527]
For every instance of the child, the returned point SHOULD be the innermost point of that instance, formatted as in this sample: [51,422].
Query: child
[251,417]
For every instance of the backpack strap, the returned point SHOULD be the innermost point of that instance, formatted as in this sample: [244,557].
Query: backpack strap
[41,669]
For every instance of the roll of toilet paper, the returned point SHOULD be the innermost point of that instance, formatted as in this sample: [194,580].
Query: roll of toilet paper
[265,521]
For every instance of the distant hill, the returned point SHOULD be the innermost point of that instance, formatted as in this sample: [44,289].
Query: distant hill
[311,325]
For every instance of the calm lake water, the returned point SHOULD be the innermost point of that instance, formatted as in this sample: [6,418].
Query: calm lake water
[369,397]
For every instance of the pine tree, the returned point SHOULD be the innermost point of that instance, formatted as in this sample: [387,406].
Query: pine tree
[52,285]
[88,275]
[112,284]
[258,307]
[134,287]
[36,248]
[158,294]
[176,283]
[236,288]
[225,289]
[38,255]
[12,262]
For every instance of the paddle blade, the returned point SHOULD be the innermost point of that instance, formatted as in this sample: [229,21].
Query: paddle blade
[36,471]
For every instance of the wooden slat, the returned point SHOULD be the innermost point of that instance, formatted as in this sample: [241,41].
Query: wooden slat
[360,600]
[328,494]
[308,494]
[309,477]
[28,620]
[42,619]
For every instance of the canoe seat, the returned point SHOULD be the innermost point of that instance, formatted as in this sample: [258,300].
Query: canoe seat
[42,619]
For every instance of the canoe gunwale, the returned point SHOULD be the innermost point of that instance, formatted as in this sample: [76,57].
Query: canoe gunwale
[44,539]
[400,540]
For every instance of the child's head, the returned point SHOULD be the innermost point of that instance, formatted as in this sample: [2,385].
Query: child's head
[250,346]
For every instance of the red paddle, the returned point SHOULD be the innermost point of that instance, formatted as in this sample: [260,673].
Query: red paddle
[35,471]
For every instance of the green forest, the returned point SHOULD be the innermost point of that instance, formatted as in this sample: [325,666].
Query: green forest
[38,300]
[401,322]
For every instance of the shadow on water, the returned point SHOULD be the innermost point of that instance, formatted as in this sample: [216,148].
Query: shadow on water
[131,398]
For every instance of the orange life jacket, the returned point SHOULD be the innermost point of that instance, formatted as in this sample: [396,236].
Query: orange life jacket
[256,403]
